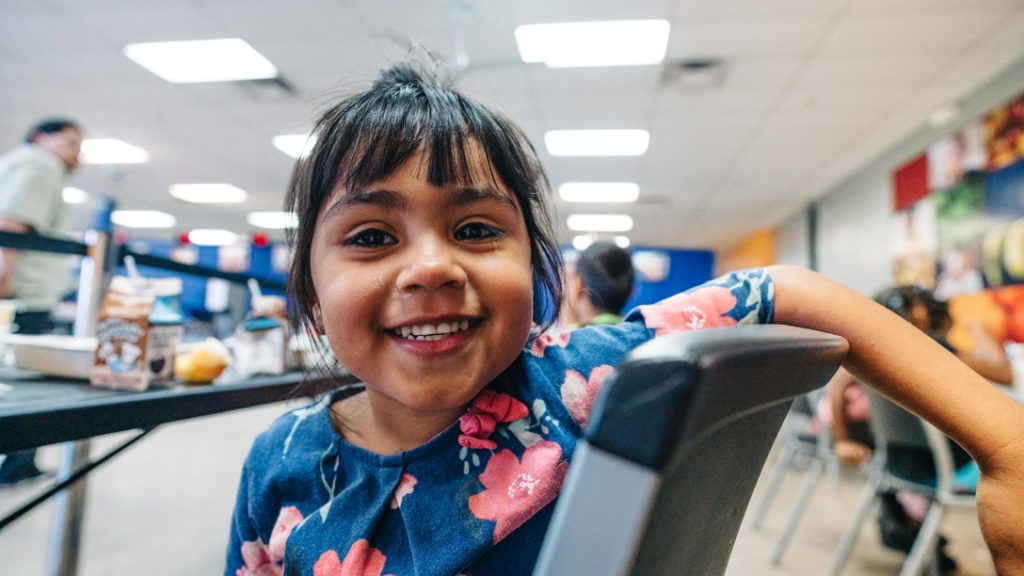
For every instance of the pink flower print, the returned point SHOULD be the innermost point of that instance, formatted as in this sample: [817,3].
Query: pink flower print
[489,408]
[514,491]
[579,393]
[405,487]
[702,308]
[257,560]
[476,429]
[288,518]
[540,343]
[502,407]
[361,560]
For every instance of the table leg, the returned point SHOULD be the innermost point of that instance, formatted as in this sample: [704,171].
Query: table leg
[68,512]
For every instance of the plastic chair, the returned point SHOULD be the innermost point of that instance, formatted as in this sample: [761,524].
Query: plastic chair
[893,426]
[676,444]
[798,442]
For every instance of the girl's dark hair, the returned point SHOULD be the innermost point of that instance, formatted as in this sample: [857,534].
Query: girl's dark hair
[607,272]
[410,108]
[900,299]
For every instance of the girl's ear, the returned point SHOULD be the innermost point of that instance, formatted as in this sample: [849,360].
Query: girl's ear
[579,288]
[575,292]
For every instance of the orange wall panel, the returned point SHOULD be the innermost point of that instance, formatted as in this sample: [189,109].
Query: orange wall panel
[758,249]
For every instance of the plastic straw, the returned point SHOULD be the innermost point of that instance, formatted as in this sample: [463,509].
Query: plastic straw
[133,272]
[254,287]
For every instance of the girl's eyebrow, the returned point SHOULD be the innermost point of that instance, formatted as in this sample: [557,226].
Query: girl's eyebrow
[391,200]
[387,199]
[472,194]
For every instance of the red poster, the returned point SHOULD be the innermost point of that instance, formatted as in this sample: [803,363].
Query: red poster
[910,183]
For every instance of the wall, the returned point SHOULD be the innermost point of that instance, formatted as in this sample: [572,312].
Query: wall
[853,229]
[792,244]
[757,249]
[853,234]
[687,268]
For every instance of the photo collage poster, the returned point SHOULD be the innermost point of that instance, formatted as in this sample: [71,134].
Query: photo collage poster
[958,223]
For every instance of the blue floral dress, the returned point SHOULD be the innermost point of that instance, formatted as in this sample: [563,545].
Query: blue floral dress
[477,498]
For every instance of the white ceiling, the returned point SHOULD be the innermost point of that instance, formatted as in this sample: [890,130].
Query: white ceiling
[813,90]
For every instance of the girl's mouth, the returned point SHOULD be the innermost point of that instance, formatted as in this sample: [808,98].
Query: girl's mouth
[430,332]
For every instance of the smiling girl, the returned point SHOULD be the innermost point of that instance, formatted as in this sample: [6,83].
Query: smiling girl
[424,240]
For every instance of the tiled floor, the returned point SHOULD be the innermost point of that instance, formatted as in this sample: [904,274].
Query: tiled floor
[163,507]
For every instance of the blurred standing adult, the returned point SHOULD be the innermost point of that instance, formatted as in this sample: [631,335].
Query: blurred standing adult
[32,179]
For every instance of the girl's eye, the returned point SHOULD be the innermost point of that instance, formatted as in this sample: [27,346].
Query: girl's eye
[476,231]
[370,239]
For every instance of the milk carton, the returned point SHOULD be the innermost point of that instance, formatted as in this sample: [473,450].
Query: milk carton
[139,327]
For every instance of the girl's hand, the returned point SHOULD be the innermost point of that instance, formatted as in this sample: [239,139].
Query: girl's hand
[1001,510]
[1001,515]
[851,453]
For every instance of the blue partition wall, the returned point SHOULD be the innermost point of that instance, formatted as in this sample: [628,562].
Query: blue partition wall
[193,297]
[687,268]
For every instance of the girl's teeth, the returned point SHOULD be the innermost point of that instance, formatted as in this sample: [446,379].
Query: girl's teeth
[430,331]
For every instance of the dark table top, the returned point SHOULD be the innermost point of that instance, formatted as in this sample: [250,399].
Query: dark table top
[36,410]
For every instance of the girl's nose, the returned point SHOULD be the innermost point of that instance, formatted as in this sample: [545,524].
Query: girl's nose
[431,267]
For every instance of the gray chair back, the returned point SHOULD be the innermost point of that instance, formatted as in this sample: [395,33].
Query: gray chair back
[676,443]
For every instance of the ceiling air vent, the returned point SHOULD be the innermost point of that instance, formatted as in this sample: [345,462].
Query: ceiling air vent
[694,73]
[273,89]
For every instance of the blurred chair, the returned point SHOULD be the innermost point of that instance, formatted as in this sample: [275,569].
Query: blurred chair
[895,427]
[798,445]
[801,442]
[676,444]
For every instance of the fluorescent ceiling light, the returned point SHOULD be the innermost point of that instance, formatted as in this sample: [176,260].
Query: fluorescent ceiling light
[612,43]
[215,193]
[599,191]
[112,151]
[582,241]
[212,237]
[600,222]
[220,60]
[622,241]
[142,219]
[294,145]
[597,142]
[273,220]
[74,195]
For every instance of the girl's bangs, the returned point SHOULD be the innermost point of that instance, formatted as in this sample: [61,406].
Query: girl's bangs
[383,140]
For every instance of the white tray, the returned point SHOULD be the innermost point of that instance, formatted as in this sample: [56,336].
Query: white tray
[67,356]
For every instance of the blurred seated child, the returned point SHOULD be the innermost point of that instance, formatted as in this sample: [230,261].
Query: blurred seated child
[598,287]
[848,408]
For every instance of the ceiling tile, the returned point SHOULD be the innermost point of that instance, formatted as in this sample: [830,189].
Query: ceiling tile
[925,33]
[812,90]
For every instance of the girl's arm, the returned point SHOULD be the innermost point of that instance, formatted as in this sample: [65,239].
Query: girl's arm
[903,363]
